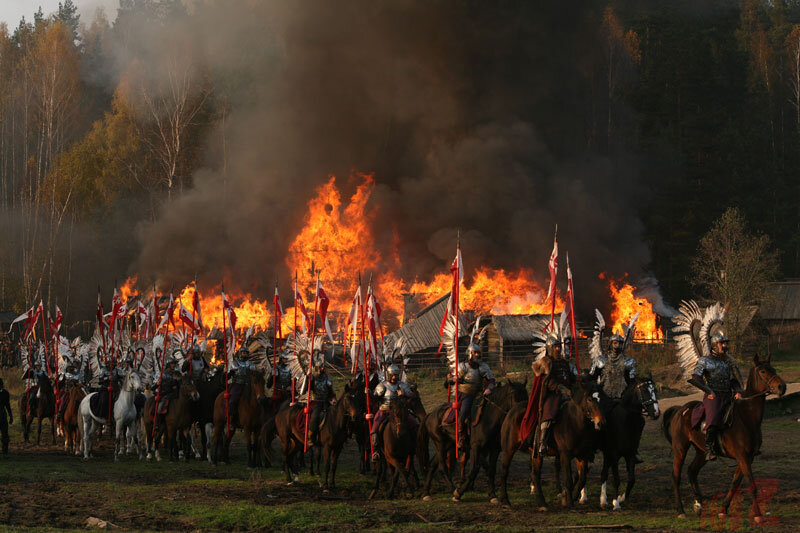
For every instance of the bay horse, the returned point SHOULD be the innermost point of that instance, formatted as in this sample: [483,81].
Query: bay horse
[740,441]
[485,442]
[621,436]
[333,434]
[575,433]
[397,447]
[70,422]
[126,415]
[250,415]
[209,387]
[175,422]
[45,408]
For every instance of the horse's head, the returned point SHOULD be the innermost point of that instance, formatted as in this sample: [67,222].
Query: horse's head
[352,403]
[588,399]
[258,384]
[644,391]
[188,389]
[518,391]
[764,379]
[400,410]
[133,383]
[415,403]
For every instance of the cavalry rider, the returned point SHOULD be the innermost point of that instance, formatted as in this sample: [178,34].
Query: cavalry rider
[473,376]
[238,377]
[5,407]
[70,377]
[170,382]
[281,380]
[196,364]
[614,372]
[121,370]
[714,376]
[100,381]
[33,375]
[322,394]
[557,388]
[387,392]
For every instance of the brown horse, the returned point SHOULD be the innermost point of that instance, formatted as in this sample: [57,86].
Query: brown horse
[575,434]
[45,408]
[740,441]
[70,422]
[397,447]
[334,433]
[176,421]
[249,417]
[485,439]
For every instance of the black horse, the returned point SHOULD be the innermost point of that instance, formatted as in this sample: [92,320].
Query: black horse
[209,386]
[622,433]
[485,434]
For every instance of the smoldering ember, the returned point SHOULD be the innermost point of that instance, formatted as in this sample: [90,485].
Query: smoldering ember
[412,266]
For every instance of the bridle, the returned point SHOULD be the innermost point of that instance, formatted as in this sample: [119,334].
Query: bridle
[646,403]
[767,383]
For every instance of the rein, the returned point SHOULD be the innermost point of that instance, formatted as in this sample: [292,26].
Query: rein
[768,384]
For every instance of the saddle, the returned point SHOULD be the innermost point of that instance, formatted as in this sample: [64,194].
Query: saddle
[698,415]
[450,414]
[300,420]
[163,406]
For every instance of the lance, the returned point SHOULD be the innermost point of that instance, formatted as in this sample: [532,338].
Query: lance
[100,325]
[295,331]
[275,340]
[572,317]
[194,324]
[553,307]
[46,344]
[311,365]
[225,356]
[457,405]
[362,346]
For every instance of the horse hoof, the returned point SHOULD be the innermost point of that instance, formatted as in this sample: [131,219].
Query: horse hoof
[371,495]
[682,516]
[722,516]
[456,494]
[426,498]
[616,506]
[456,499]
[698,507]
[494,501]
[542,509]
[758,519]
[533,488]
[324,491]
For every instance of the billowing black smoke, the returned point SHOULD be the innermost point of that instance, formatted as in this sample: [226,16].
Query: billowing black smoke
[472,115]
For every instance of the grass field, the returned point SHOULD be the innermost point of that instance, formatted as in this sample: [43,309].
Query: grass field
[43,488]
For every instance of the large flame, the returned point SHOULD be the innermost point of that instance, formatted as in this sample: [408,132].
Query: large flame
[336,239]
[626,305]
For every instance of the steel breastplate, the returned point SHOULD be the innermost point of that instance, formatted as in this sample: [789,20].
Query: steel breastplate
[613,376]
[717,374]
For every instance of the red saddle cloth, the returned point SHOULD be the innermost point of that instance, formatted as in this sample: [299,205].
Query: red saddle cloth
[163,410]
[300,420]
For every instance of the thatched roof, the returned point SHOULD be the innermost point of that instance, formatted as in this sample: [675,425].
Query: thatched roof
[782,301]
[422,332]
[517,328]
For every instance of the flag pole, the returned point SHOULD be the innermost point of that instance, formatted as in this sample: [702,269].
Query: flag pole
[572,317]
[311,365]
[225,359]
[457,405]
[553,307]
[294,332]
[275,340]
[100,325]
[369,416]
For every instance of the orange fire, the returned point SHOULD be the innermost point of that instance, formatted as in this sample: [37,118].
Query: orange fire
[626,305]
[336,239]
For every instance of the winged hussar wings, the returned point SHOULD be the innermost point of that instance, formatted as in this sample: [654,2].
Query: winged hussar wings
[449,342]
[540,338]
[687,329]
[630,330]
[596,344]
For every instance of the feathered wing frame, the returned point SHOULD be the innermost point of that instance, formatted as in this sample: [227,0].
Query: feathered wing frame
[300,364]
[693,330]
[629,331]
[596,344]
[542,331]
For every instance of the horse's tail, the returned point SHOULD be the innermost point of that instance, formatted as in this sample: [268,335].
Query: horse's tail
[666,423]
[423,453]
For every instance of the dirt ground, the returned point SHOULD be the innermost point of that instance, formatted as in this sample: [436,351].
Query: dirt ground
[43,488]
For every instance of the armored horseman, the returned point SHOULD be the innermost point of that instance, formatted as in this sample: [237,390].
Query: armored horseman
[70,375]
[474,376]
[386,393]
[614,371]
[171,380]
[238,378]
[703,351]
[322,395]
[281,380]
[196,365]
[33,376]
[559,377]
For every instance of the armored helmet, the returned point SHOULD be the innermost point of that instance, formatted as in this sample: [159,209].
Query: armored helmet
[395,370]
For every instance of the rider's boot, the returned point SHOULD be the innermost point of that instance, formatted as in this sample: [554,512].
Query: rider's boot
[711,443]
[544,437]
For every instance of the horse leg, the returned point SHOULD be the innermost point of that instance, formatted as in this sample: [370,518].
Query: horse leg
[630,469]
[580,489]
[473,474]
[508,455]
[378,476]
[615,474]
[117,440]
[678,457]
[326,452]
[604,481]
[537,481]
[557,471]
[53,428]
[250,451]
[693,470]
[567,460]
[395,475]
[737,479]
[39,432]
[407,478]
[335,462]
[745,464]
[491,472]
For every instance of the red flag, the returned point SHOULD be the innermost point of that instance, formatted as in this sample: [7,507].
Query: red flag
[186,318]
[278,307]
[571,304]
[142,318]
[373,320]
[168,313]
[59,320]
[227,308]
[552,264]
[26,316]
[197,309]
[324,302]
[299,305]
[100,321]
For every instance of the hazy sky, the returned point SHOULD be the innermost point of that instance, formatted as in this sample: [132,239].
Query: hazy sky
[11,11]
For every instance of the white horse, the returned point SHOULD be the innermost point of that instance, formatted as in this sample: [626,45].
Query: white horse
[89,421]
[125,415]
